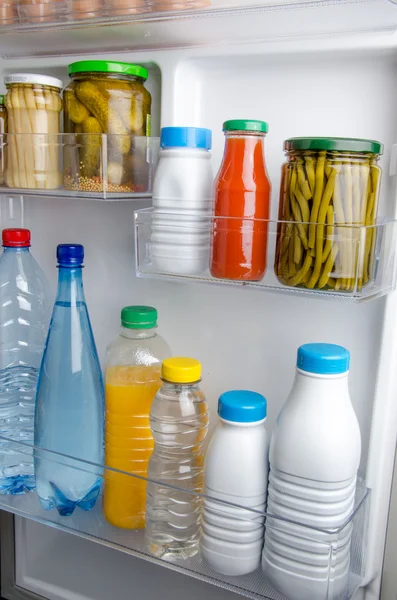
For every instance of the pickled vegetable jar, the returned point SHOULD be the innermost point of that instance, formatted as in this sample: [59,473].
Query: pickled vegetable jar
[3,129]
[330,189]
[107,98]
[33,106]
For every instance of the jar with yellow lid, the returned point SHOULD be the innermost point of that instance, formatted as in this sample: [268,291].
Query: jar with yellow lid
[33,106]
[179,423]
[3,130]
[106,97]
[330,191]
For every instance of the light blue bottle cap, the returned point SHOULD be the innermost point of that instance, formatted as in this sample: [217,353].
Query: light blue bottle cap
[70,255]
[242,406]
[186,137]
[324,359]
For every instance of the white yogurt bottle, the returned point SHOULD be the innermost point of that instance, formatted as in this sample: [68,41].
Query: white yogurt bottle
[236,471]
[182,202]
[314,457]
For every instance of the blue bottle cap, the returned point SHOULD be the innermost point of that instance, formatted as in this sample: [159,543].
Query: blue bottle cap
[186,137]
[242,406]
[70,255]
[324,359]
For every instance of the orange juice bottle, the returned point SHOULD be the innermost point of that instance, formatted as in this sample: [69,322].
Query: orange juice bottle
[131,382]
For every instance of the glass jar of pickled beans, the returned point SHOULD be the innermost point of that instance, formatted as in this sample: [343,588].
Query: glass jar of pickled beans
[328,206]
[110,98]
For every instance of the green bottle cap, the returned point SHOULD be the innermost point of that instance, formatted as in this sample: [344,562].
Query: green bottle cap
[336,144]
[246,125]
[139,317]
[107,66]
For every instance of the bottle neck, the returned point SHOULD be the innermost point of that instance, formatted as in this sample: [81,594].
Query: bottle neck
[243,147]
[189,387]
[16,249]
[70,285]
[138,334]
[320,385]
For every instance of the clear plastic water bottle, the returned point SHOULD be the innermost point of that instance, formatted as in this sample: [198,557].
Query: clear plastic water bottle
[179,423]
[70,398]
[25,309]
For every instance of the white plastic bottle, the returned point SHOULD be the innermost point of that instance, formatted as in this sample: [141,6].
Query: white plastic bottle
[236,471]
[314,457]
[182,202]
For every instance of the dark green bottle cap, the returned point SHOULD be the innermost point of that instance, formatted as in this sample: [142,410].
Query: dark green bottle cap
[139,317]
[246,125]
[336,144]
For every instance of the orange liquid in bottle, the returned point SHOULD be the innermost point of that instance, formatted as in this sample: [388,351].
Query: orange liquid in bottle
[242,192]
[130,391]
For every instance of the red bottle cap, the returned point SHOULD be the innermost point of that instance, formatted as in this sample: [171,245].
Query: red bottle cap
[16,238]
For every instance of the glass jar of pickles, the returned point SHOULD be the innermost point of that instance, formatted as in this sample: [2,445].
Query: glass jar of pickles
[107,98]
[33,107]
[328,205]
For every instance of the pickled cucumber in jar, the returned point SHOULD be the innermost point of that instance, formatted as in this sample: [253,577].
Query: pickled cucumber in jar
[110,98]
[328,206]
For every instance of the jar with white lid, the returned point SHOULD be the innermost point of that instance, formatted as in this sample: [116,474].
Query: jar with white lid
[33,105]
[182,202]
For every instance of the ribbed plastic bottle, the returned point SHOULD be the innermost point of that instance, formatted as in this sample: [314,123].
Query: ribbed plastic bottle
[179,423]
[25,310]
[182,202]
[132,379]
[69,417]
[314,457]
[236,471]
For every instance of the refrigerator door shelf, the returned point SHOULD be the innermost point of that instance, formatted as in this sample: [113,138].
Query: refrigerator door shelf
[330,545]
[362,266]
[78,165]
[165,24]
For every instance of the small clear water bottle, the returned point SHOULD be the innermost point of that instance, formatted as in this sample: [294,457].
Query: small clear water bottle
[179,423]
[69,418]
[25,310]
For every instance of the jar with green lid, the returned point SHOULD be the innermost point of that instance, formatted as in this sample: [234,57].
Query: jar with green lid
[3,130]
[330,190]
[110,98]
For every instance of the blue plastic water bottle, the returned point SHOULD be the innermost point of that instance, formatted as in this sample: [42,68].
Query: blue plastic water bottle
[69,417]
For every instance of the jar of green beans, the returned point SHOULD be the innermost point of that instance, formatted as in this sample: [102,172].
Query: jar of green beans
[328,206]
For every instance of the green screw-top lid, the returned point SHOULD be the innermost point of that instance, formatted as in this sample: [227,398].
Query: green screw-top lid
[337,144]
[139,317]
[1,99]
[245,125]
[107,66]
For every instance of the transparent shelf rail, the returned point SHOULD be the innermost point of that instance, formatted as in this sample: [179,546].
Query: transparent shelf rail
[50,28]
[338,554]
[97,166]
[354,262]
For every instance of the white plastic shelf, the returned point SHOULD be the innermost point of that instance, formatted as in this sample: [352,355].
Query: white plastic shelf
[55,28]
[363,266]
[78,165]
[349,539]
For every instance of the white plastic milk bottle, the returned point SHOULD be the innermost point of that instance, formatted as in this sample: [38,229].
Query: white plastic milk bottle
[236,471]
[314,457]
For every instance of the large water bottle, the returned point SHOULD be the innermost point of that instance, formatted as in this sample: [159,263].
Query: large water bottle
[179,423]
[314,457]
[25,309]
[70,398]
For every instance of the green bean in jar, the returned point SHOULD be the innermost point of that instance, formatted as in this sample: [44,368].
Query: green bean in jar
[107,97]
[328,205]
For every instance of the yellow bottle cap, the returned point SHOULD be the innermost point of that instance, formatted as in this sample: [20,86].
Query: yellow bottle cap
[181,370]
